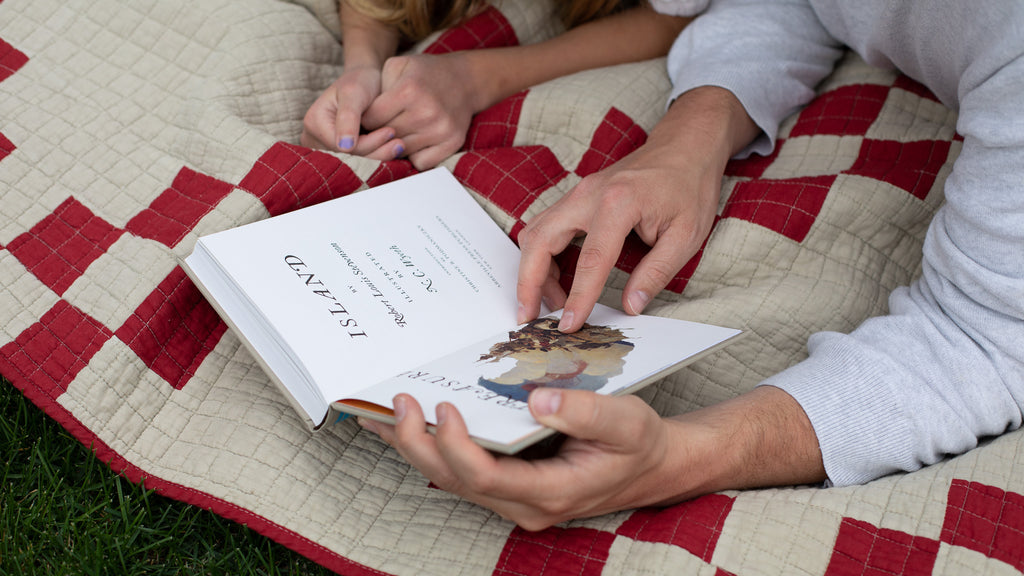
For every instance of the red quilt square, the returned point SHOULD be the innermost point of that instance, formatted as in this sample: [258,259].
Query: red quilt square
[61,246]
[488,29]
[11,60]
[845,111]
[511,178]
[173,330]
[290,177]
[985,519]
[390,171]
[615,138]
[6,147]
[912,166]
[694,526]
[914,87]
[51,352]
[496,126]
[173,214]
[789,207]
[567,266]
[570,551]
[753,166]
[865,550]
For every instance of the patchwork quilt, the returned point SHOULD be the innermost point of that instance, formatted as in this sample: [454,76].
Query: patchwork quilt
[128,129]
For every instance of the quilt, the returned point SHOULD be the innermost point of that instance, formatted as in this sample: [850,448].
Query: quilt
[128,129]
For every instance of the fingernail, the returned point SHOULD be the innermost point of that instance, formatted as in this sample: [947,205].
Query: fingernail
[565,323]
[442,413]
[520,313]
[546,401]
[638,301]
[399,408]
[399,150]
[346,143]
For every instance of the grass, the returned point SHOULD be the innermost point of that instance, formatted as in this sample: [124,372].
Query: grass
[62,511]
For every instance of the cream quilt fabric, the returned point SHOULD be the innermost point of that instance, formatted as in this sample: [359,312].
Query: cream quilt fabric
[128,129]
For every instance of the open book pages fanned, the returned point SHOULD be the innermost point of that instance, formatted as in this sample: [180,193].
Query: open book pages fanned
[410,287]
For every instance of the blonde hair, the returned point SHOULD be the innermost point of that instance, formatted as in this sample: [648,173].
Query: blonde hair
[417,19]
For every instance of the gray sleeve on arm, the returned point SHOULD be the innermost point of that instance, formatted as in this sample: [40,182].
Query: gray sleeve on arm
[945,368]
[770,54]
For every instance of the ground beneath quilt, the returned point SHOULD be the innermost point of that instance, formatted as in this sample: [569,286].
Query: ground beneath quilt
[128,129]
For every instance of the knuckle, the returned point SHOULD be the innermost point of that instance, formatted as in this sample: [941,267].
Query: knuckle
[660,273]
[448,482]
[552,509]
[532,523]
[481,483]
[396,64]
[615,197]
[423,161]
[444,124]
[591,258]
[532,234]
[584,187]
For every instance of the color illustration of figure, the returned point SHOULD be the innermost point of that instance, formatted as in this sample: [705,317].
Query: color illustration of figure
[545,357]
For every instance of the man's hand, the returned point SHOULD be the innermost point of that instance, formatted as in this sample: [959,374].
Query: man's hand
[667,191]
[610,464]
[620,454]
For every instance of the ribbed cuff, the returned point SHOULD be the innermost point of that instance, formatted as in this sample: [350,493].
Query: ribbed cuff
[862,429]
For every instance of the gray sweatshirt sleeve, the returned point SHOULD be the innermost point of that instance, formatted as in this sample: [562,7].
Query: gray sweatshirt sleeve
[945,367]
[769,53]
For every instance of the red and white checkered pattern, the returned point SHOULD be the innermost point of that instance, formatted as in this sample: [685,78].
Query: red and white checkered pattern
[128,130]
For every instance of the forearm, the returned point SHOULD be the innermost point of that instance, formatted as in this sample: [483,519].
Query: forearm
[367,42]
[762,438]
[630,36]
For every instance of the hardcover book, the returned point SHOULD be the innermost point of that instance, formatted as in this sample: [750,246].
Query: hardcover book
[410,287]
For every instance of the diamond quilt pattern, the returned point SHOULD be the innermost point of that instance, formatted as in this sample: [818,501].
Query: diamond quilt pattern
[128,129]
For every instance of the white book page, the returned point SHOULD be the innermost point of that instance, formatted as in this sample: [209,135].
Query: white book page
[366,286]
[491,394]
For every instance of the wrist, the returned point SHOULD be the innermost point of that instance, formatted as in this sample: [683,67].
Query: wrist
[484,79]
[698,463]
[707,119]
[761,438]
[366,42]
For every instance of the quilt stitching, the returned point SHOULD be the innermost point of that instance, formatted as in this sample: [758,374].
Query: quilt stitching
[173,334]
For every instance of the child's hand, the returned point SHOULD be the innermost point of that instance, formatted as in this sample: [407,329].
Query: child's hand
[333,121]
[428,101]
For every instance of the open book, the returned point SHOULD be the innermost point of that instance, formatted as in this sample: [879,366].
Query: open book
[410,287]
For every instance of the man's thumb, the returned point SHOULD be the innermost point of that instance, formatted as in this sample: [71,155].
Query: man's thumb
[584,414]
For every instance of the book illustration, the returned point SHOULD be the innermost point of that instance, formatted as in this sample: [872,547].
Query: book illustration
[546,357]
[412,256]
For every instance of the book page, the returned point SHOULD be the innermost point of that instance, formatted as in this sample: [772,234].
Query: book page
[490,380]
[363,287]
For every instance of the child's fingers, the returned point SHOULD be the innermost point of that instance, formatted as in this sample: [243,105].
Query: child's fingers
[346,128]
[368,143]
[390,150]
[425,154]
